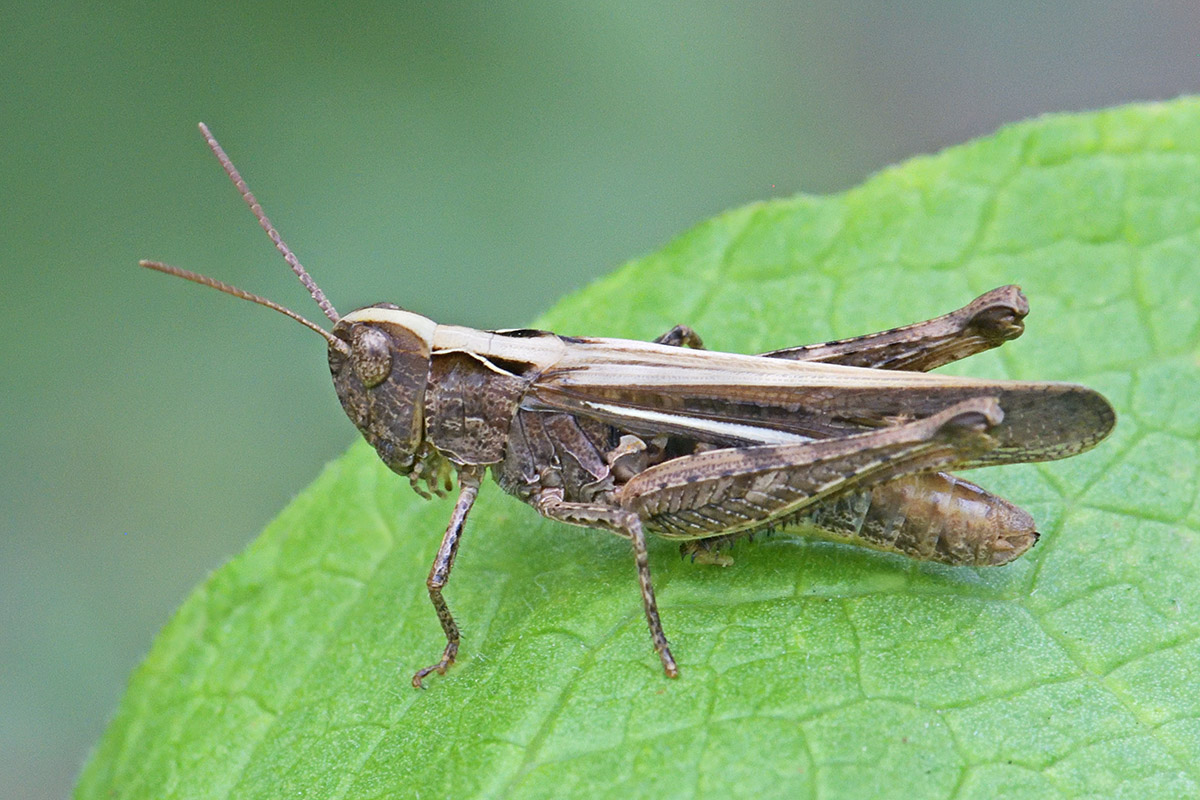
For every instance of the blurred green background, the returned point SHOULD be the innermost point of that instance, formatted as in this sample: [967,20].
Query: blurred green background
[469,161]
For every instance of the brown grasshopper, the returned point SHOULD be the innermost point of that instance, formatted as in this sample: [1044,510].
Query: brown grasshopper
[847,440]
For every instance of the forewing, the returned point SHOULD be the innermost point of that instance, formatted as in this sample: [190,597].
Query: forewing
[731,400]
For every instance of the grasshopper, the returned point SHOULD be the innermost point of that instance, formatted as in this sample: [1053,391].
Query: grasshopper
[848,440]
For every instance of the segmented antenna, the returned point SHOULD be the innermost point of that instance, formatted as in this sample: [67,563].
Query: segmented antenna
[221,286]
[280,245]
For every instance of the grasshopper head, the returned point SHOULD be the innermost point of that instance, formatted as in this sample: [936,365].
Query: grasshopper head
[379,355]
[380,378]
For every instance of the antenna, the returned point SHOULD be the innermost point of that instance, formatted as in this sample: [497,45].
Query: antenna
[280,245]
[221,286]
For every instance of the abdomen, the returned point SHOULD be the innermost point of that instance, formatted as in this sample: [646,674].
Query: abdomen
[931,517]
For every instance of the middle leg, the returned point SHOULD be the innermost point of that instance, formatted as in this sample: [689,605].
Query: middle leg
[549,503]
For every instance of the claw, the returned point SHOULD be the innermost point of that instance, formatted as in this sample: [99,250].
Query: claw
[669,664]
[440,667]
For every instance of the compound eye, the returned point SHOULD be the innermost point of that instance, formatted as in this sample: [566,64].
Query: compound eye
[371,355]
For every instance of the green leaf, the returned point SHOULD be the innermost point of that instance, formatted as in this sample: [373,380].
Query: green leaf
[808,669]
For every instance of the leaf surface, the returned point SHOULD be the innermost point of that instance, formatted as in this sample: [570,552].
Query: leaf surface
[808,669]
